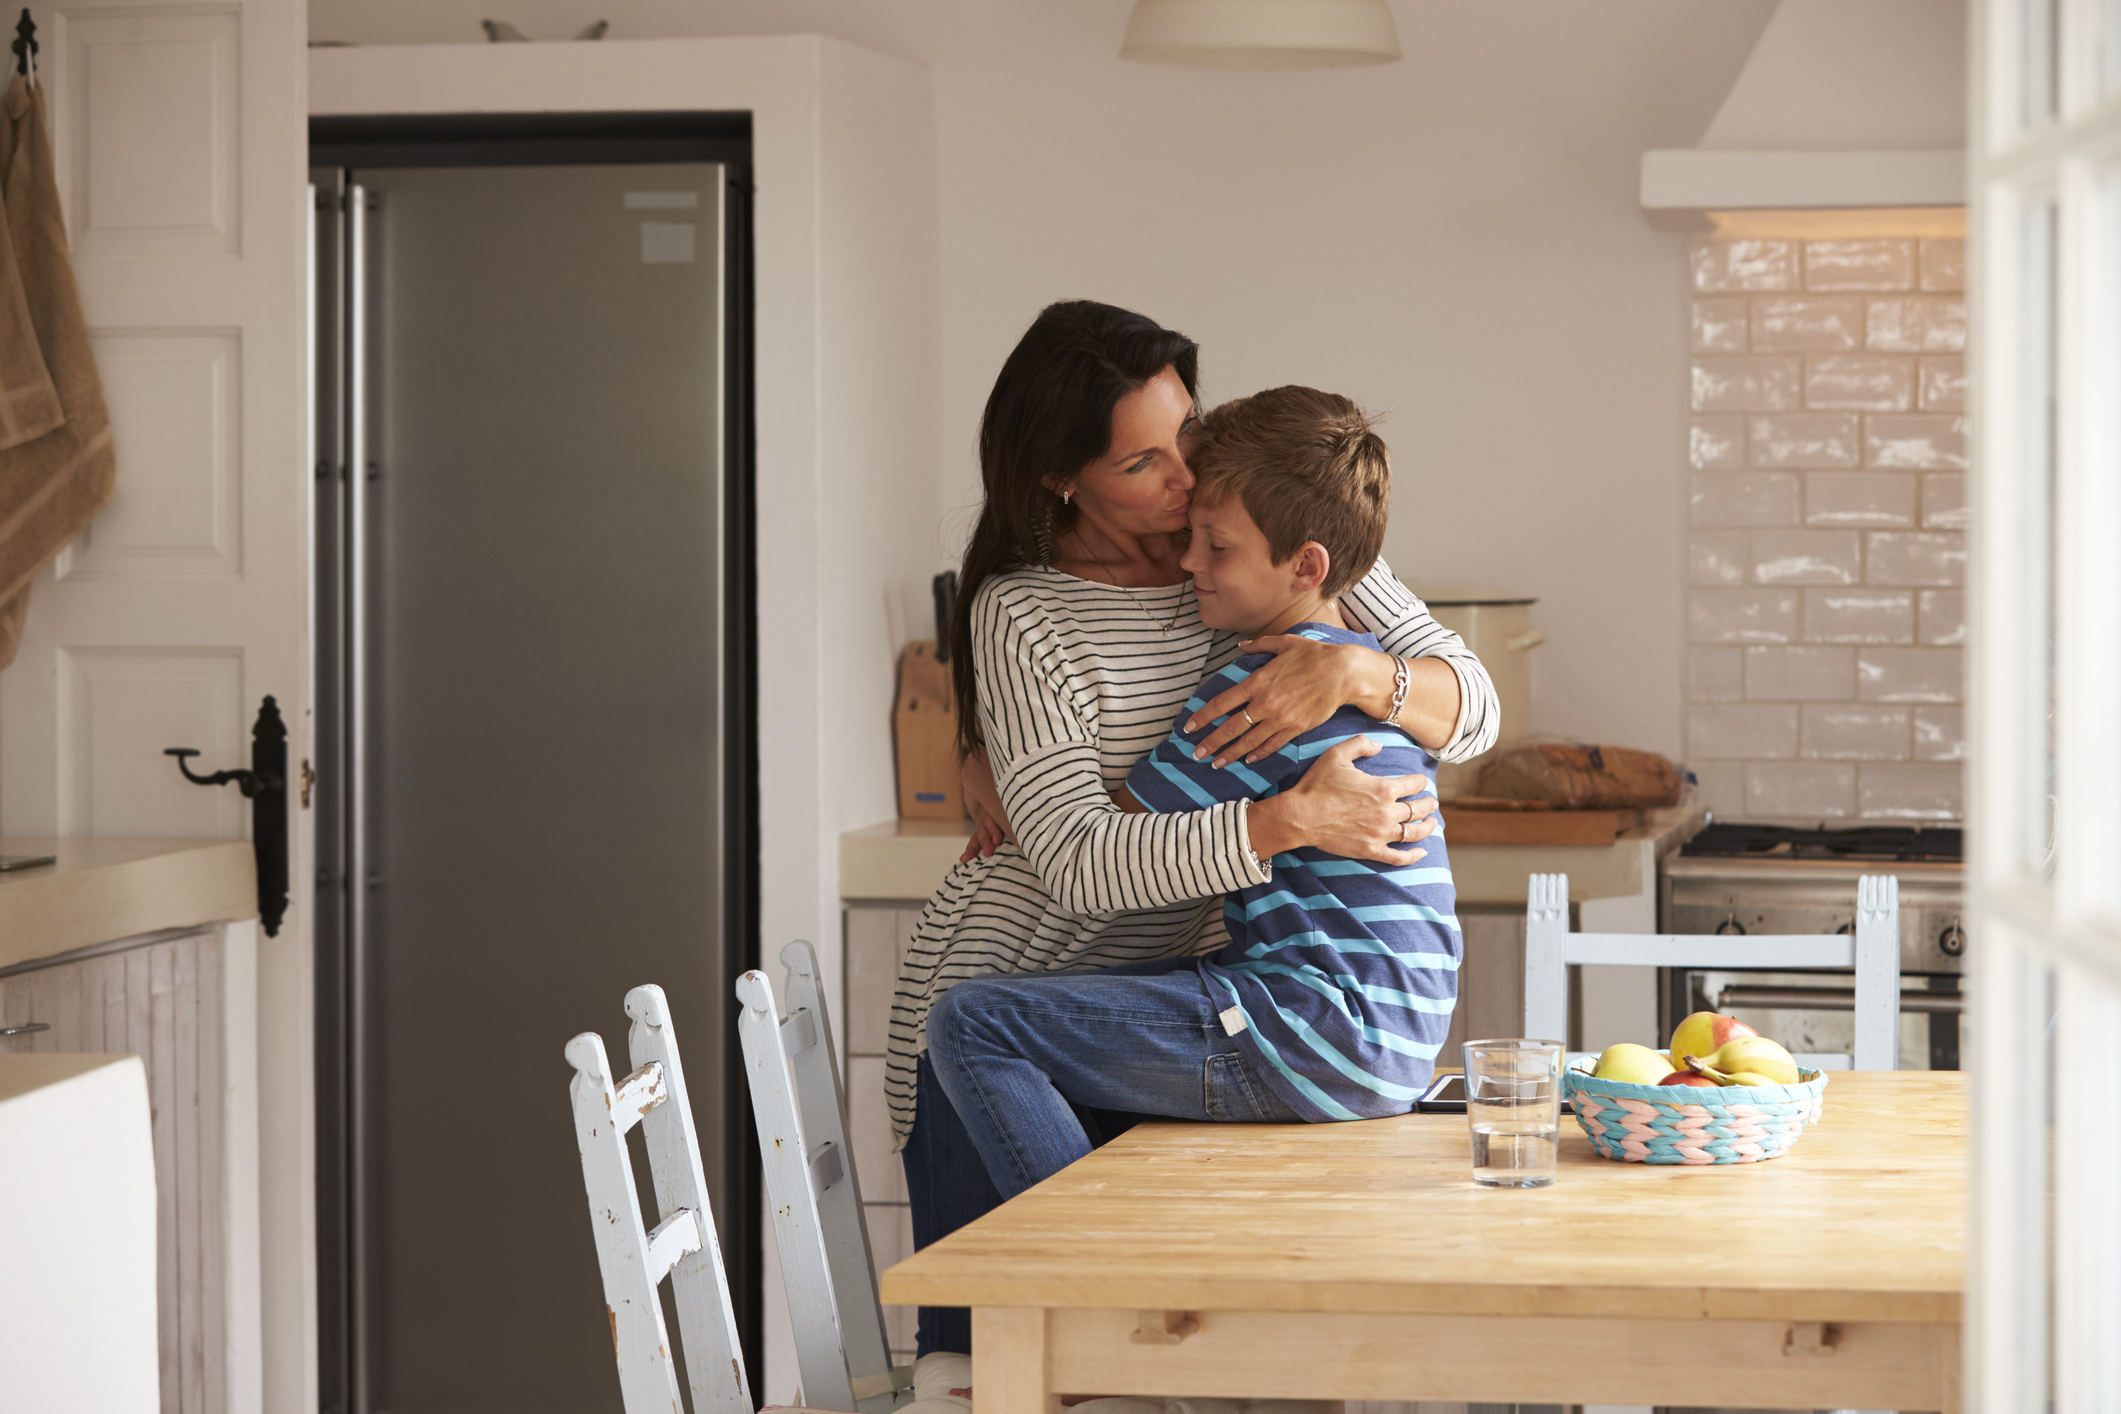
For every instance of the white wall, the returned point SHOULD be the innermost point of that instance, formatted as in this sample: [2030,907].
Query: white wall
[1454,238]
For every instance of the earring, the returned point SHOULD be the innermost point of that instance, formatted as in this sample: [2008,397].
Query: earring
[1066,497]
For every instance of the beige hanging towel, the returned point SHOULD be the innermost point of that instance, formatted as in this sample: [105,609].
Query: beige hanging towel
[56,463]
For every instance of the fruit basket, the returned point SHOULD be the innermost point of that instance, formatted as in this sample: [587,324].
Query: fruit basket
[1690,1124]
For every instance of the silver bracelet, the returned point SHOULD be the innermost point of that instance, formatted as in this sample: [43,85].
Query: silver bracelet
[1401,677]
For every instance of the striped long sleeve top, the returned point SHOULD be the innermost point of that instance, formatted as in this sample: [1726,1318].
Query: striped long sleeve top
[1079,680]
[1340,975]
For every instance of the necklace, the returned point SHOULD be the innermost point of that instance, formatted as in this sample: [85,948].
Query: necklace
[1167,625]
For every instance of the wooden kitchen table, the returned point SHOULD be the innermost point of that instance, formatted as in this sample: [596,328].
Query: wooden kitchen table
[1359,1261]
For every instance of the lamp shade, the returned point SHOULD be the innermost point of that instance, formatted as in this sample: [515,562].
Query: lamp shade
[1261,34]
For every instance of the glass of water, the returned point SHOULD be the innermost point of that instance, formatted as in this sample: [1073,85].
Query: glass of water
[1513,1100]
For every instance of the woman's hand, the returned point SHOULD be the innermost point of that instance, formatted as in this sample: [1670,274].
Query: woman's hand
[1345,811]
[983,802]
[1305,683]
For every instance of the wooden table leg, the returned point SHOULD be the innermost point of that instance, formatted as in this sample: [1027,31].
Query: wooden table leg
[1012,1361]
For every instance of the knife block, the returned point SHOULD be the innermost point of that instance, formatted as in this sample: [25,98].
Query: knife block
[925,728]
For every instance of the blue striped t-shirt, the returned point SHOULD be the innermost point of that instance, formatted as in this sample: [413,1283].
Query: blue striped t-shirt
[1344,971]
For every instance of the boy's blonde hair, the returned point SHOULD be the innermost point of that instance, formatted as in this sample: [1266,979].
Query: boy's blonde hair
[1305,465]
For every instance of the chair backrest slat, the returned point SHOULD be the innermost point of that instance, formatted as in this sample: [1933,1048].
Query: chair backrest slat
[647,1378]
[813,1190]
[1872,949]
[1755,950]
[714,1357]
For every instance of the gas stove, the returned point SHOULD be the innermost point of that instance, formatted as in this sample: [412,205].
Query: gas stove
[1858,842]
[1739,878]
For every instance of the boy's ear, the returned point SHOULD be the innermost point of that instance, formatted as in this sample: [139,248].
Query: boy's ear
[1313,563]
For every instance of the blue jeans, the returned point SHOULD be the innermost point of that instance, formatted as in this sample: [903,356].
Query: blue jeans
[1018,1055]
[946,1187]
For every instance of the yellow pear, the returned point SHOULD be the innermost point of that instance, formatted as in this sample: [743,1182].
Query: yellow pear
[1748,1055]
[1633,1064]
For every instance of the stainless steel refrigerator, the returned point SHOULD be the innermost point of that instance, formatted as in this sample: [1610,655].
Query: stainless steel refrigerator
[533,785]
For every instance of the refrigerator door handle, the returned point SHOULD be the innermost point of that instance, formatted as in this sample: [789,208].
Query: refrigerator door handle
[359,862]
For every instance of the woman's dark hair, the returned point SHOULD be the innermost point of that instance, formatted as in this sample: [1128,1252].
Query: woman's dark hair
[1049,416]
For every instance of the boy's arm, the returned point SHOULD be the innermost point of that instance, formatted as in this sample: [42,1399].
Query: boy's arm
[1169,779]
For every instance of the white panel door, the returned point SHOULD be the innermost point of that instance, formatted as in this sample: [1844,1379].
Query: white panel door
[181,129]
[181,138]
[2044,881]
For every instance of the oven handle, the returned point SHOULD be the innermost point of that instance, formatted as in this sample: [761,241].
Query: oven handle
[1830,999]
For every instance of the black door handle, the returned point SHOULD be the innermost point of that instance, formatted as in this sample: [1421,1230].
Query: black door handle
[265,786]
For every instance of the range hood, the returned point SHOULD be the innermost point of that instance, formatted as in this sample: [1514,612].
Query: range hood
[1842,104]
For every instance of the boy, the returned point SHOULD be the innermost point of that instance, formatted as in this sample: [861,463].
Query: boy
[1334,992]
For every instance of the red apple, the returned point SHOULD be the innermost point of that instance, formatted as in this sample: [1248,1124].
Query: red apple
[1704,1033]
[1687,1077]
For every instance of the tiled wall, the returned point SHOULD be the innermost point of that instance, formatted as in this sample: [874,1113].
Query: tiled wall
[876,938]
[1828,528]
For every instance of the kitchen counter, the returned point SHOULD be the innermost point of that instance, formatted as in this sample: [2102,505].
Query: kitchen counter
[905,860]
[104,889]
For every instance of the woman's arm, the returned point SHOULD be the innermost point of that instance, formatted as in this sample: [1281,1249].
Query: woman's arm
[1092,857]
[1450,705]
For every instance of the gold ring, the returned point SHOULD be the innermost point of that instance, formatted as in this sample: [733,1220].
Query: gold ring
[1248,716]
[1410,812]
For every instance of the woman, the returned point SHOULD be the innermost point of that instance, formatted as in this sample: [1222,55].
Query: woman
[1076,639]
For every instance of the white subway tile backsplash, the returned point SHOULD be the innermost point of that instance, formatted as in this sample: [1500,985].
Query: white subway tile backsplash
[1943,384]
[1942,618]
[1827,502]
[1932,675]
[1748,383]
[1717,443]
[1862,499]
[1916,441]
[1742,731]
[1916,326]
[1717,557]
[1715,674]
[1807,557]
[1720,325]
[1911,792]
[1847,731]
[1806,439]
[1742,616]
[1859,616]
[1797,324]
[1740,499]
[1859,265]
[1940,733]
[1720,266]
[1944,500]
[1860,382]
[1944,263]
[1915,558]
[1720,787]
[1801,790]
[1803,674]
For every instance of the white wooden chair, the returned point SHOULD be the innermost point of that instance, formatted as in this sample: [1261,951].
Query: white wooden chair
[1550,949]
[682,1245]
[841,1352]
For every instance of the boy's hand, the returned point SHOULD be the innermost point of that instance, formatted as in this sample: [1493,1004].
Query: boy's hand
[1305,683]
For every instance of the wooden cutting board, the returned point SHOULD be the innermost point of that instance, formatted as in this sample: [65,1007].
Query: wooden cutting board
[1465,825]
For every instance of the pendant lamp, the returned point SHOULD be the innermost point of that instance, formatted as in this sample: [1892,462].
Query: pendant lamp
[1261,34]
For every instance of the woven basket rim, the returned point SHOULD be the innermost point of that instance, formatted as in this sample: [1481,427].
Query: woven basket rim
[1810,1085]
